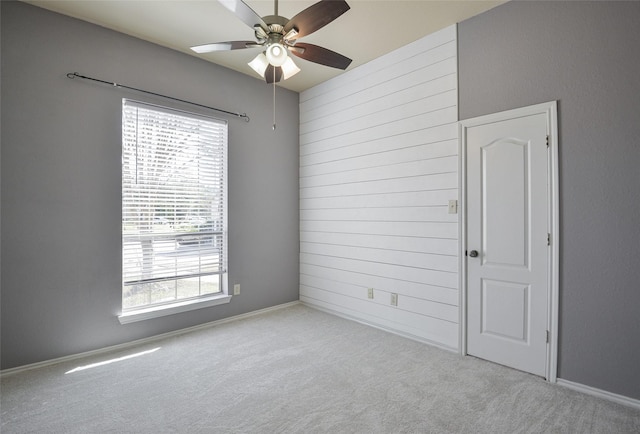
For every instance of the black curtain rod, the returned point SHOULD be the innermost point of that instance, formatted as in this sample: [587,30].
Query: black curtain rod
[73,75]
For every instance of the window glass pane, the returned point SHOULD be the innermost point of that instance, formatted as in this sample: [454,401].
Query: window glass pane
[197,286]
[144,294]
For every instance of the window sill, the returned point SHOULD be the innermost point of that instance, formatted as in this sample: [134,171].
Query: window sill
[173,308]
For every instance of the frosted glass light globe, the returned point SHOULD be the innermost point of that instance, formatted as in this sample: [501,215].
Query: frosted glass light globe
[277,54]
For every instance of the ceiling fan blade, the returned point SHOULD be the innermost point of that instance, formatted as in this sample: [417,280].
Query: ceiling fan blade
[244,13]
[316,16]
[323,56]
[224,46]
[269,76]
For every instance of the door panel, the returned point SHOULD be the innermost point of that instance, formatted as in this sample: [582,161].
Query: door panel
[505,310]
[507,215]
[504,180]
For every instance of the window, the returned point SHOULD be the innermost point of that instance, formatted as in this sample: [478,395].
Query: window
[173,206]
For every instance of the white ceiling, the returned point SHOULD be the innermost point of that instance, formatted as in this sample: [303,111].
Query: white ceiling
[369,30]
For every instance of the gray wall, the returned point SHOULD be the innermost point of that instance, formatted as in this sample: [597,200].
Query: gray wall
[585,55]
[61,257]
[0,176]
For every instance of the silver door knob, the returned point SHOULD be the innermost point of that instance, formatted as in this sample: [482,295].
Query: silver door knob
[473,253]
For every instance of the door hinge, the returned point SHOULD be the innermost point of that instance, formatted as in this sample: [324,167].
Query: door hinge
[547,140]
[547,336]
[548,239]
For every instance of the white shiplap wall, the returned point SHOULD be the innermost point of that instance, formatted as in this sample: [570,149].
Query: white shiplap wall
[378,165]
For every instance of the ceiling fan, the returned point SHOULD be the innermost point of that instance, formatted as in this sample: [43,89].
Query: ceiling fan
[279,37]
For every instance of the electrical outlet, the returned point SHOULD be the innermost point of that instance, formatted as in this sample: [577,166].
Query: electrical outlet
[394,299]
[370,293]
[236,289]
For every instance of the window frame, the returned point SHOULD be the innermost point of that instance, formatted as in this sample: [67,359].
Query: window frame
[143,312]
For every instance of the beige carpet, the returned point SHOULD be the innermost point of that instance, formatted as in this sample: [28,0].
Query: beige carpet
[296,370]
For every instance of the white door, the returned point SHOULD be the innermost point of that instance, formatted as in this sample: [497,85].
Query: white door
[507,227]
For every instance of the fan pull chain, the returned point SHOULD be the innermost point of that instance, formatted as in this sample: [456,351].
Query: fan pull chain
[274,99]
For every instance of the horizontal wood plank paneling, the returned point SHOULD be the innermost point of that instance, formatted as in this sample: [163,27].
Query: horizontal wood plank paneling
[334,151]
[439,197]
[401,229]
[412,150]
[406,259]
[401,91]
[385,214]
[398,272]
[440,246]
[399,107]
[418,305]
[377,127]
[435,293]
[435,181]
[378,166]
[392,171]
[383,82]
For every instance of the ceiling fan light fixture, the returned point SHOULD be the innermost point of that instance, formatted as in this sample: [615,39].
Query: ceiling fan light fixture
[277,54]
[259,64]
[289,69]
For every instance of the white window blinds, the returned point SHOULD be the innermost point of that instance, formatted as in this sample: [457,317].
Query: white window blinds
[173,204]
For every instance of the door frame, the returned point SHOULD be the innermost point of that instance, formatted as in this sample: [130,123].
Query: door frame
[551,112]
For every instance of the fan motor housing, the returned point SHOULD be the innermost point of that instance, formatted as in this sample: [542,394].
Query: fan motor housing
[275,19]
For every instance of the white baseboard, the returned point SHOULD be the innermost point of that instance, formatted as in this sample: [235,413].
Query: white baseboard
[138,342]
[599,393]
